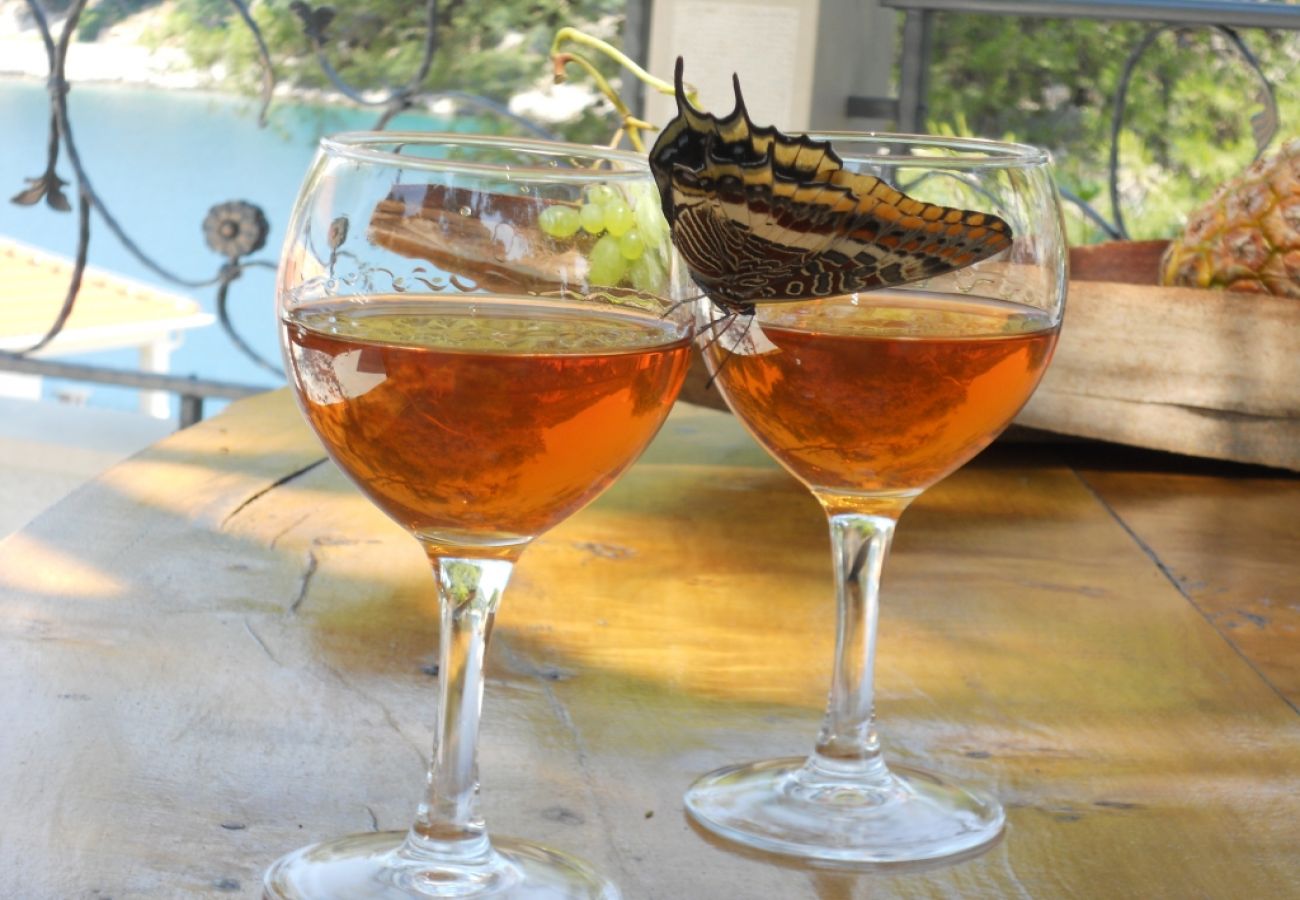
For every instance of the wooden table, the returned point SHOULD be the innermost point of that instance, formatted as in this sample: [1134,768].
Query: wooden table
[218,651]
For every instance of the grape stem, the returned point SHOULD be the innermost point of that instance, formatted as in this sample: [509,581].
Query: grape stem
[631,125]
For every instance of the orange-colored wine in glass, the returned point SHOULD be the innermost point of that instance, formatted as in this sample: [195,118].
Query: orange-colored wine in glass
[481,368]
[868,399]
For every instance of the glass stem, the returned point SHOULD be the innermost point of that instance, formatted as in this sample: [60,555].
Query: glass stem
[848,747]
[448,827]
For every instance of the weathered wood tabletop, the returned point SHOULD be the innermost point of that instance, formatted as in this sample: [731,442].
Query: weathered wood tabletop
[218,651]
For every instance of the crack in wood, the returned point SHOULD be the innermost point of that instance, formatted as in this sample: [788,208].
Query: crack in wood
[312,563]
[1209,412]
[1178,585]
[387,713]
[261,643]
[252,498]
[579,745]
[288,528]
[305,582]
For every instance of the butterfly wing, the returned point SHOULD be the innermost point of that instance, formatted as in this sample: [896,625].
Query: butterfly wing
[760,216]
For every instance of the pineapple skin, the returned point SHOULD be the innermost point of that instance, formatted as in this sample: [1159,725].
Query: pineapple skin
[1247,237]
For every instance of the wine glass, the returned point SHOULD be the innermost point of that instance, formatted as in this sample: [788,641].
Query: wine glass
[484,333]
[869,399]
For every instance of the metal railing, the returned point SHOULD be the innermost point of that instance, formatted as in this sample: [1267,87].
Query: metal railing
[235,230]
[1225,16]
[191,391]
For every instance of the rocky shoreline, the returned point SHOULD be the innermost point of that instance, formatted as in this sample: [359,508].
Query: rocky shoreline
[123,55]
[105,63]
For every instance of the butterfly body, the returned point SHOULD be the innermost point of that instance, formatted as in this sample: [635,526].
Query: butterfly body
[759,216]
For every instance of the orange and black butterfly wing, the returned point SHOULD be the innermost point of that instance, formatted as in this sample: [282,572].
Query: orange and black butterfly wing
[759,216]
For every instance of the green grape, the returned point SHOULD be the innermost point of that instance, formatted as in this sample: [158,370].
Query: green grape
[618,218]
[630,244]
[601,194]
[592,218]
[607,263]
[650,219]
[647,275]
[559,220]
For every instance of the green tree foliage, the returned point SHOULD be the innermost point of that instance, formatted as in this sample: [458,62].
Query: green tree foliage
[492,48]
[1049,82]
[1052,83]
[102,15]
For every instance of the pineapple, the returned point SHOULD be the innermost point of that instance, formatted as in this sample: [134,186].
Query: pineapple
[1247,238]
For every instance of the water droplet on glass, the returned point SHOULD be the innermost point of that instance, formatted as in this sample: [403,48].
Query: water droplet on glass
[466,211]
[399,284]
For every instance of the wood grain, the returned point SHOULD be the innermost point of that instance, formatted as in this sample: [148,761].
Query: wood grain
[1132,262]
[216,653]
[1205,373]
[1230,545]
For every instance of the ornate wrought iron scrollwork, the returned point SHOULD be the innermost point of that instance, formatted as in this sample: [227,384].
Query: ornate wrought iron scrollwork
[1264,124]
[235,229]
[231,228]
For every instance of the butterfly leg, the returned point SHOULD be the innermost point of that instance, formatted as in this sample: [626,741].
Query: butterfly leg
[728,320]
[679,304]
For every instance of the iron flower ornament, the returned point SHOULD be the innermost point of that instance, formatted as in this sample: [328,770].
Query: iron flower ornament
[235,228]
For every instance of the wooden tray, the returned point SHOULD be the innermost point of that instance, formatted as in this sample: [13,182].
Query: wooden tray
[1206,373]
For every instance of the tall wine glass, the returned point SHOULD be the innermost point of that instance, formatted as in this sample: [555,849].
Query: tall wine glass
[869,399]
[484,333]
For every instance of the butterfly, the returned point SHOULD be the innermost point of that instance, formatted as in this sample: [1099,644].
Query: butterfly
[760,216]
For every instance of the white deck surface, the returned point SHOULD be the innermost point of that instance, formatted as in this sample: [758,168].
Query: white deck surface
[47,450]
[111,312]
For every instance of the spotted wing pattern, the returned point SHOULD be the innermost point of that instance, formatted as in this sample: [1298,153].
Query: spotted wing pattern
[760,216]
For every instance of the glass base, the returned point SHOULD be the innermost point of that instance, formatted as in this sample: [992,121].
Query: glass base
[900,815]
[373,867]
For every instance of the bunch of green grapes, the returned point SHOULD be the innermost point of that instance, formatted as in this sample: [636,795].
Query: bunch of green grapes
[630,238]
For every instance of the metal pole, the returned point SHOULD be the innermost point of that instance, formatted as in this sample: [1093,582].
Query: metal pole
[191,410]
[1232,13]
[636,44]
[914,74]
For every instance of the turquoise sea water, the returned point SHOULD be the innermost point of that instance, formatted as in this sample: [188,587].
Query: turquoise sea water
[159,160]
